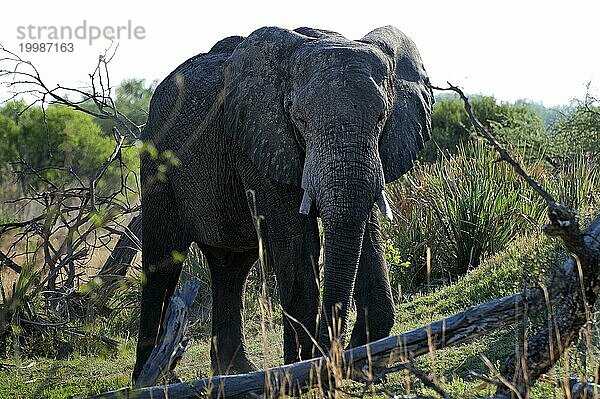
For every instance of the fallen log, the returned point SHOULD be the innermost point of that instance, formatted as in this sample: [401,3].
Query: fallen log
[378,358]
[453,330]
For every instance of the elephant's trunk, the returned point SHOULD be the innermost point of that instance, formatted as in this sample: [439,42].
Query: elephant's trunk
[344,187]
[342,253]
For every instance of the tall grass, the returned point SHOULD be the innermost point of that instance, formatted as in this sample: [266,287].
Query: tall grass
[576,184]
[463,208]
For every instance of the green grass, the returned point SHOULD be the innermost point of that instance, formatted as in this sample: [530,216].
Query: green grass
[48,378]
[496,277]
[499,276]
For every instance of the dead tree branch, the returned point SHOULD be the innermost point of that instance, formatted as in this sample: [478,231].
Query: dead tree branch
[575,289]
[22,77]
[8,262]
[172,342]
[80,215]
[117,264]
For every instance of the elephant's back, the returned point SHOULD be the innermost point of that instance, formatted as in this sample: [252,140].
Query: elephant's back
[186,97]
[185,119]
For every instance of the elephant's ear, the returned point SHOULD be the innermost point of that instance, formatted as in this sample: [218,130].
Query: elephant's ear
[408,126]
[254,113]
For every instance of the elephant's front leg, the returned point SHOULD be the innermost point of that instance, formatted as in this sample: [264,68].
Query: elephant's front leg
[229,271]
[292,245]
[372,292]
[296,260]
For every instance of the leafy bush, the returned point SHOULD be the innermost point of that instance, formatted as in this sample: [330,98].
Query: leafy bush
[57,137]
[577,132]
[451,125]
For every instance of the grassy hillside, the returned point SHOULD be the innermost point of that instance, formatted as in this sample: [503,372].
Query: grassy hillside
[497,276]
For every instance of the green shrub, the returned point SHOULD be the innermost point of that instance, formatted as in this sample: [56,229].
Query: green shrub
[577,132]
[463,208]
[452,127]
[58,137]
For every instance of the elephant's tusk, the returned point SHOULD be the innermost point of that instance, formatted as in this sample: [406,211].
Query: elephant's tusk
[384,206]
[306,203]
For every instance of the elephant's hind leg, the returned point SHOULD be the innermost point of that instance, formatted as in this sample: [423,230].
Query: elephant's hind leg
[163,235]
[229,271]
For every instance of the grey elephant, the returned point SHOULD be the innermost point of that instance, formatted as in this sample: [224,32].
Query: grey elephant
[272,131]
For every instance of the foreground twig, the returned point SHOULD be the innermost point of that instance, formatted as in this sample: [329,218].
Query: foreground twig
[427,381]
[6,261]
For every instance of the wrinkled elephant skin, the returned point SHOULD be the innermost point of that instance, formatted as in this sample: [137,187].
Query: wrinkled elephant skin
[290,126]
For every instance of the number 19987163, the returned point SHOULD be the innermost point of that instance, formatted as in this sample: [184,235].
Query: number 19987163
[48,47]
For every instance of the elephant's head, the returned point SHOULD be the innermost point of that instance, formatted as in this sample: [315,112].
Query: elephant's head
[338,118]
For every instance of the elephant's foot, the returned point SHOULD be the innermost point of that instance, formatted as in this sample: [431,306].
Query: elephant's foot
[171,377]
[242,367]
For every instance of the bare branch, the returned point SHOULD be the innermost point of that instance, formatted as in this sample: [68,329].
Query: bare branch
[6,261]
[504,154]
[428,382]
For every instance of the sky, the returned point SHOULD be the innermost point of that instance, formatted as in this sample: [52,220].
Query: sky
[545,51]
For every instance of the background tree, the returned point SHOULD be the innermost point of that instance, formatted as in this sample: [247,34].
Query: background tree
[54,138]
[132,98]
[451,125]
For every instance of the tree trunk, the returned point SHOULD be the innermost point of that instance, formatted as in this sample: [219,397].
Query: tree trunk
[117,264]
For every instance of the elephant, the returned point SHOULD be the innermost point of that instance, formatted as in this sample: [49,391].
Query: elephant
[271,132]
